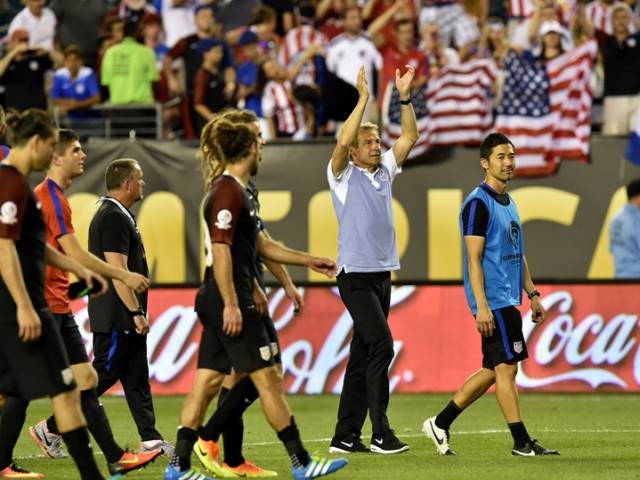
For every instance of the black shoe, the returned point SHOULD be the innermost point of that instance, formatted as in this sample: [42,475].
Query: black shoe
[348,444]
[387,443]
[532,449]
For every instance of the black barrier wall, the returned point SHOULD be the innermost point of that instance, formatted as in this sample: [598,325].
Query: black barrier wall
[565,216]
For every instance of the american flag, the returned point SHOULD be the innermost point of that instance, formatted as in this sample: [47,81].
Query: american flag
[546,110]
[520,8]
[460,103]
[454,109]
[391,116]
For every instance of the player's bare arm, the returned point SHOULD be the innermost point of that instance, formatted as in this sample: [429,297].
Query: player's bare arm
[282,275]
[57,259]
[484,318]
[29,325]
[340,156]
[538,312]
[409,135]
[272,250]
[223,272]
[126,294]
[71,247]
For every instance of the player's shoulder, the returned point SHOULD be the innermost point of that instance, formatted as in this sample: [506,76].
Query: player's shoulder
[11,177]
[227,185]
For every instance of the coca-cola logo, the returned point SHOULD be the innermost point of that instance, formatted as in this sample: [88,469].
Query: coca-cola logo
[565,340]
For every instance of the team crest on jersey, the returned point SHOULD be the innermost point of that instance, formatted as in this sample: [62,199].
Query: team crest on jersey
[517,347]
[9,213]
[265,353]
[224,219]
[383,176]
[514,234]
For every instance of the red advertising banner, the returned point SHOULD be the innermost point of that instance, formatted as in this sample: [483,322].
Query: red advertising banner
[590,340]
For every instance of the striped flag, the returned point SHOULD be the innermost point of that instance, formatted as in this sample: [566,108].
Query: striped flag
[633,147]
[546,110]
[520,8]
[391,115]
[460,104]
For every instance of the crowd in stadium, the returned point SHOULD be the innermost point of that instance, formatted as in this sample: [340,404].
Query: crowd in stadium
[294,63]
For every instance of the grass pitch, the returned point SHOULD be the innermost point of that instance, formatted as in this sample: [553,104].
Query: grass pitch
[598,436]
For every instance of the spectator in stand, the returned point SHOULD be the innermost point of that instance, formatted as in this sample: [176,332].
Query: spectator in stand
[455,25]
[330,14]
[438,55]
[129,69]
[493,43]
[554,41]
[263,24]
[374,10]
[624,235]
[79,24]
[22,73]
[114,34]
[526,34]
[132,11]
[247,75]
[153,37]
[621,58]
[284,115]
[211,95]
[4,149]
[177,19]
[285,20]
[599,14]
[297,41]
[351,50]
[396,55]
[39,21]
[75,86]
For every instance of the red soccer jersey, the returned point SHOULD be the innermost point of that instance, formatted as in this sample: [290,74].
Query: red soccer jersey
[392,58]
[57,217]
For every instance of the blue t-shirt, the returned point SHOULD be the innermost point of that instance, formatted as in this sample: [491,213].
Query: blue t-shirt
[84,86]
[247,74]
[494,216]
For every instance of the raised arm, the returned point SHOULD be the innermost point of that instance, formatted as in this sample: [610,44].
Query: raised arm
[408,123]
[340,157]
[381,21]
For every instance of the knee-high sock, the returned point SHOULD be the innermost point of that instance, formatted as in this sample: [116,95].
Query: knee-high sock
[98,425]
[80,450]
[12,419]
[233,435]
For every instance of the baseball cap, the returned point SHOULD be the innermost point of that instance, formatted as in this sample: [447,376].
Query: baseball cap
[247,38]
[202,6]
[552,26]
[207,44]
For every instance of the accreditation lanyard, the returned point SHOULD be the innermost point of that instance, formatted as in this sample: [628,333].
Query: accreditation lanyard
[121,207]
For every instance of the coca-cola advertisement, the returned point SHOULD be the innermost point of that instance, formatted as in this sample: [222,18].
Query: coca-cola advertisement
[589,341]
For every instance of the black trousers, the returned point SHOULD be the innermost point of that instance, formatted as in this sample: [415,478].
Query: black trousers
[123,356]
[367,297]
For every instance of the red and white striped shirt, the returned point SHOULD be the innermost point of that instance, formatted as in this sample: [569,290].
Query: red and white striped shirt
[277,100]
[295,43]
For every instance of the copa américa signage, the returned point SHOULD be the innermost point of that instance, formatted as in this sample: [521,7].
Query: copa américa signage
[590,341]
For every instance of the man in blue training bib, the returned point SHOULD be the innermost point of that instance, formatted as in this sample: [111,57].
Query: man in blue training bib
[495,272]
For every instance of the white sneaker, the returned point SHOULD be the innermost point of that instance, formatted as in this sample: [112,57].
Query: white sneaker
[438,436]
[49,443]
[166,447]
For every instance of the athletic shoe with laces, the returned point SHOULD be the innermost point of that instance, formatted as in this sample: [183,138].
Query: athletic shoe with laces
[387,443]
[15,471]
[250,470]
[130,461]
[149,445]
[318,467]
[532,449]
[208,452]
[49,443]
[349,444]
[439,436]
[171,473]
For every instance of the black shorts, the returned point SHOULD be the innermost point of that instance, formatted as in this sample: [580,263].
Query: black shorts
[274,342]
[71,337]
[246,353]
[34,369]
[507,344]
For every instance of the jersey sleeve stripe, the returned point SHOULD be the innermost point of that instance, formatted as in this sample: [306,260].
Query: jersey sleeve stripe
[58,207]
[472,214]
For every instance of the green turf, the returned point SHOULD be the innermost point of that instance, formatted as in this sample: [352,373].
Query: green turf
[597,434]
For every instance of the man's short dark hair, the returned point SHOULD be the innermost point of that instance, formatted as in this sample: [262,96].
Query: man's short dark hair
[131,29]
[491,141]
[118,171]
[65,137]
[402,22]
[633,189]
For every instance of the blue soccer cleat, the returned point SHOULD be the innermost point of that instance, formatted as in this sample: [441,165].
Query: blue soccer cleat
[319,467]
[192,474]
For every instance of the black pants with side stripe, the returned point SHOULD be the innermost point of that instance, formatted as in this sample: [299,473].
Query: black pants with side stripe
[367,297]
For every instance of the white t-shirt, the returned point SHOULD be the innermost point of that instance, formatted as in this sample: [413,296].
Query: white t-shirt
[41,30]
[177,22]
[346,54]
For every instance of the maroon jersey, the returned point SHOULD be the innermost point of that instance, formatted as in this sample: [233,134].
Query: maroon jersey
[231,217]
[22,222]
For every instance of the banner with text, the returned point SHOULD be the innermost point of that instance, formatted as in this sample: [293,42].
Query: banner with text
[590,340]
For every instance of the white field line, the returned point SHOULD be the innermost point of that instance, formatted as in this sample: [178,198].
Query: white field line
[415,435]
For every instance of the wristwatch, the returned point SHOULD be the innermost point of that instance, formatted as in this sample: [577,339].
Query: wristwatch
[534,293]
[136,312]
[406,102]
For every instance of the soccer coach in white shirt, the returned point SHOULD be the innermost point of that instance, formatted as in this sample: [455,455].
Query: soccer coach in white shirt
[360,177]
